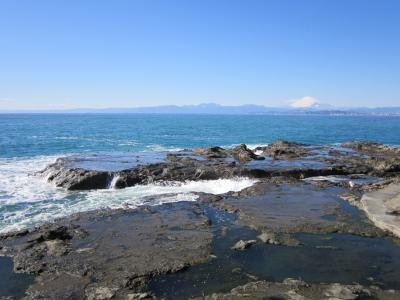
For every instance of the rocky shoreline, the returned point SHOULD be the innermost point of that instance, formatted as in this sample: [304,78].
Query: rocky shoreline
[282,158]
[306,201]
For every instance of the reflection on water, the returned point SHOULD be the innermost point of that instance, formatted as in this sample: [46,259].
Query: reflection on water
[328,258]
[12,284]
[113,161]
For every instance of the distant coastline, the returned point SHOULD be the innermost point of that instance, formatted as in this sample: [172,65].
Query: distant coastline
[216,109]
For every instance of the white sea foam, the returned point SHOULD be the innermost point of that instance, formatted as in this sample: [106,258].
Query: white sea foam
[250,146]
[254,146]
[27,199]
[161,148]
[333,179]
[128,143]
[18,182]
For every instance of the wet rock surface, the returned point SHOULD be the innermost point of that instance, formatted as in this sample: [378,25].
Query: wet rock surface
[383,207]
[279,159]
[292,289]
[242,245]
[371,147]
[285,150]
[102,255]
[301,219]
[295,207]
[243,154]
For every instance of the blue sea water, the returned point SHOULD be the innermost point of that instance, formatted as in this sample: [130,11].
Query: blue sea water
[28,142]
[24,135]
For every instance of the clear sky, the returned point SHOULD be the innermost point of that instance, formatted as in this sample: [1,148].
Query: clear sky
[63,54]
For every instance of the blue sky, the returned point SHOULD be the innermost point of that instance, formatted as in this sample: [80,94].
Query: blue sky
[63,54]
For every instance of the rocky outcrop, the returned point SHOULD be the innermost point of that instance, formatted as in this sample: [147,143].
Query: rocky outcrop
[243,154]
[371,147]
[115,254]
[181,169]
[110,254]
[212,152]
[280,209]
[216,162]
[285,150]
[293,289]
[62,175]
[382,207]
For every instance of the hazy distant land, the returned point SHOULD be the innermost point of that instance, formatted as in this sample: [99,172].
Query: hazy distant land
[212,108]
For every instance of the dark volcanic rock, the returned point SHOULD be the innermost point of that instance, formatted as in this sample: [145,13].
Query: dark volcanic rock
[118,252]
[371,147]
[243,154]
[181,169]
[384,166]
[297,289]
[112,254]
[216,162]
[285,208]
[285,150]
[74,178]
[212,152]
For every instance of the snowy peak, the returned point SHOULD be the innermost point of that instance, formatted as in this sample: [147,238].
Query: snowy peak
[309,103]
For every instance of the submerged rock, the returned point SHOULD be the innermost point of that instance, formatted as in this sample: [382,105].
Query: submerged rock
[277,210]
[278,239]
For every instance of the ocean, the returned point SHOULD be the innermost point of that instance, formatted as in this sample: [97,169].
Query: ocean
[28,142]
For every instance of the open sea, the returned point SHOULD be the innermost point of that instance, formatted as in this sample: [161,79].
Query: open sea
[28,142]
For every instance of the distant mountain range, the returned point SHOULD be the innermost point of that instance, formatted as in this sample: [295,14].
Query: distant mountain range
[212,108]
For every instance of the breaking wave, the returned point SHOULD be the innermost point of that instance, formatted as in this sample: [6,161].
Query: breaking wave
[27,200]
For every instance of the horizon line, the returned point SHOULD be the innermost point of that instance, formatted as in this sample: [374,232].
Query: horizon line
[323,107]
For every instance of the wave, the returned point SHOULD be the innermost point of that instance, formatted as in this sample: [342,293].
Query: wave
[27,200]
[161,148]
[250,146]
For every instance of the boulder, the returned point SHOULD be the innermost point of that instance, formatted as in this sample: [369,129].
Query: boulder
[285,150]
[212,152]
[243,154]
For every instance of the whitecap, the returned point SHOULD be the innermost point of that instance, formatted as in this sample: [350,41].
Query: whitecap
[161,148]
[252,147]
[27,199]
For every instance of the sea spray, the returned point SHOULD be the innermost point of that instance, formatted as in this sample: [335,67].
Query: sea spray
[27,199]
